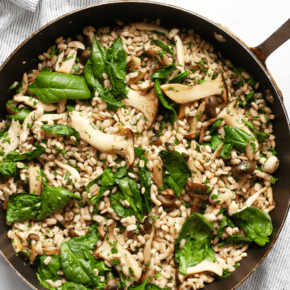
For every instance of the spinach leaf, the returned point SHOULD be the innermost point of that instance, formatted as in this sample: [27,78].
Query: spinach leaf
[42,279]
[108,177]
[4,131]
[98,57]
[70,108]
[49,271]
[168,105]
[116,69]
[251,81]
[250,98]
[53,51]
[104,94]
[145,180]
[94,181]
[261,137]
[20,116]
[8,169]
[180,78]
[102,267]
[238,71]
[226,151]
[72,286]
[139,151]
[197,231]
[158,33]
[235,240]
[52,87]
[22,207]
[256,224]
[153,287]
[168,182]
[78,263]
[61,130]
[163,46]
[210,255]
[215,125]
[226,274]
[28,156]
[238,138]
[132,194]
[164,72]
[141,286]
[121,210]
[224,223]
[214,142]
[177,168]
[121,172]
[53,199]
[97,198]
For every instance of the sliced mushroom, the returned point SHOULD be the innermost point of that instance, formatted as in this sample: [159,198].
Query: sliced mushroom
[196,174]
[104,252]
[271,164]
[13,133]
[61,106]
[210,107]
[9,107]
[33,237]
[29,119]
[75,174]
[147,104]
[148,225]
[265,176]
[112,284]
[35,103]
[198,188]
[149,27]
[140,75]
[106,143]
[35,180]
[179,52]
[157,173]
[52,117]
[208,76]
[166,202]
[24,85]
[169,146]
[231,118]
[156,141]
[205,266]
[156,51]
[133,62]
[183,94]
[147,248]
[193,122]
[64,65]
[147,272]
[89,31]
[85,56]
[244,167]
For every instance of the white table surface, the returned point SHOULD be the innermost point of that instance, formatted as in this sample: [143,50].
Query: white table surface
[252,20]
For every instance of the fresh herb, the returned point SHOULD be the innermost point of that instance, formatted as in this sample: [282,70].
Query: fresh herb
[261,137]
[61,130]
[139,151]
[53,51]
[20,116]
[238,138]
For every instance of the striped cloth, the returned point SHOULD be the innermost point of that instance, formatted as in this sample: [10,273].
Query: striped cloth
[17,22]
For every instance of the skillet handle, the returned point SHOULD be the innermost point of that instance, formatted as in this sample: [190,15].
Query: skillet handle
[280,36]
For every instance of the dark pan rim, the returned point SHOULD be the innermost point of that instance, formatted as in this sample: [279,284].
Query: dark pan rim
[226,31]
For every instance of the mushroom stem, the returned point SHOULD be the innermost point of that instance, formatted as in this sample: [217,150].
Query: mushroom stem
[34,103]
[35,180]
[179,52]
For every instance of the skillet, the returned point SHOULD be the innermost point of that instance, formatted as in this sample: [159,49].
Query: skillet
[253,59]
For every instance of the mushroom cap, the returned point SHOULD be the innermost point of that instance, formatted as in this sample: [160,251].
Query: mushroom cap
[76,45]
[89,29]
[206,266]
[183,94]
[271,164]
[147,104]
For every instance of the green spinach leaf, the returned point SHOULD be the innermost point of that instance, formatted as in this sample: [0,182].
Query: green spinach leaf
[42,279]
[28,156]
[4,131]
[121,210]
[49,271]
[238,138]
[8,169]
[224,223]
[235,240]
[164,72]
[61,130]
[180,78]
[99,56]
[215,125]
[20,116]
[72,286]
[256,224]
[52,87]
[226,151]
[261,137]
[139,151]
[163,46]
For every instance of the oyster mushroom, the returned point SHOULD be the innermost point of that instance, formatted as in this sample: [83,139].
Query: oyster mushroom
[147,104]
[85,56]
[253,198]
[269,165]
[147,272]
[166,202]
[231,118]
[89,31]
[52,117]
[179,52]
[65,66]
[210,107]
[183,94]
[112,284]
[149,27]
[194,121]
[106,143]
[13,133]
[75,174]
[205,266]
[29,119]
[24,85]
[104,252]
[133,62]
[155,51]
[35,103]
[61,106]
[244,167]
[157,173]
[196,174]
[136,76]
[35,180]
[147,248]
[197,188]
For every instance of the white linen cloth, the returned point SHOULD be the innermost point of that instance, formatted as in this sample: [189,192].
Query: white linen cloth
[18,21]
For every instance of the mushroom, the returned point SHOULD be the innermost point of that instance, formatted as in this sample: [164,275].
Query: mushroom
[244,167]
[89,31]
[9,107]
[156,141]
[147,104]
[265,176]
[29,119]
[147,248]
[166,202]
[196,174]
[235,84]
[61,106]
[65,64]
[253,198]
[147,272]
[149,27]
[33,237]
[104,252]
[13,133]
[156,51]
[75,174]
[112,284]
[183,94]
[169,146]
[231,118]
[208,76]
[205,266]
[133,62]
[269,165]
[179,52]
[193,122]
[233,208]
[147,225]
[35,180]
[167,252]
[52,117]
[34,103]
[157,173]
[197,187]
[24,85]
[136,76]
[210,107]
[106,143]
[85,56]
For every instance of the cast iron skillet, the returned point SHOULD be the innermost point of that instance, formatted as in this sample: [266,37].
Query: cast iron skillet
[253,59]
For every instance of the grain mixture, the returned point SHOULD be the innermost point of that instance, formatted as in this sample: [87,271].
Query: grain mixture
[137,155]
